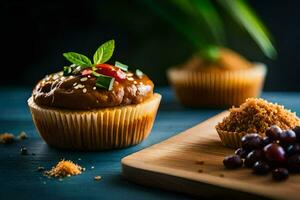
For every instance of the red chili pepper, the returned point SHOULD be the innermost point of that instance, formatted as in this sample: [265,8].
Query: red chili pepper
[86,72]
[112,71]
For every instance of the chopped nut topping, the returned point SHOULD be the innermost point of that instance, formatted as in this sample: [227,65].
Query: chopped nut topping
[83,79]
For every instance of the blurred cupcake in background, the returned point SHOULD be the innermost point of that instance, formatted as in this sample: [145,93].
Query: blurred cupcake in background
[214,76]
[228,81]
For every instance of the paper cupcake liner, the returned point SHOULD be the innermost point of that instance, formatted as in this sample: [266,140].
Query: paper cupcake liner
[216,88]
[97,129]
[230,139]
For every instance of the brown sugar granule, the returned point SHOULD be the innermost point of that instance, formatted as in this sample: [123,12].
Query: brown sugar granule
[64,168]
[256,115]
[7,138]
[97,178]
[22,135]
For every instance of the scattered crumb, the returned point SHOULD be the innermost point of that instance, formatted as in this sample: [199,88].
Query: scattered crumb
[92,167]
[84,90]
[7,138]
[22,135]
[200,162]
[24,151]
[221,175]
[64,168]
[200,170]
[41,169]
[97,178]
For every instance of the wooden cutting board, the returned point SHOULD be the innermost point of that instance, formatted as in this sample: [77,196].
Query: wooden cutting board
[172,165]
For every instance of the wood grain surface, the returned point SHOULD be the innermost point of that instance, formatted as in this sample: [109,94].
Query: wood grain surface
[176,164]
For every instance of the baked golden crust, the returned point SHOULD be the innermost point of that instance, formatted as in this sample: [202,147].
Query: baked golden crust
[80,93]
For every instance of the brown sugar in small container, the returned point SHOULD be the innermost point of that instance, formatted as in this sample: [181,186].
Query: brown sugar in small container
[227,82]
[254,116]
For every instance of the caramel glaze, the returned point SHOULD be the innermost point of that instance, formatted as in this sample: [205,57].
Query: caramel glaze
[80,93]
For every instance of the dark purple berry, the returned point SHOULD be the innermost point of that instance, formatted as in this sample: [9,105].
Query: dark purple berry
[241,152]
[297,131]
[253,157]
[274,153]
[274,132]
[287,137]
[280,174]
[232,162]
[266,141]
[251,141]
[292,149]
[261,167]
[294,163]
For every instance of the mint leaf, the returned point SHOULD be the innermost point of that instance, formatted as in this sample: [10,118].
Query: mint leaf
[105,82]
[104,52]
[78,59]
[121,66]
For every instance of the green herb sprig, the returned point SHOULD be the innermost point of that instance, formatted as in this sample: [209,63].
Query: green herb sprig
[102,55]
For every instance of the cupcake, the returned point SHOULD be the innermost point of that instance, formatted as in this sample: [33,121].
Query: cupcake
[228,81]
[94,106]
[254,116]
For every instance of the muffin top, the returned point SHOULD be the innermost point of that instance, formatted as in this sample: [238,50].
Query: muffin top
[85,86]
[227,60]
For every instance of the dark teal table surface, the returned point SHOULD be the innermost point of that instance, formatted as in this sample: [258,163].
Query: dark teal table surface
[20,180]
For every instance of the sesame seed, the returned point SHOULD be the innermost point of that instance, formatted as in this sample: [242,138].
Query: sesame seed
[84,90]
[89,76]
[97,178]
[74,84]
[94,88]
[83,79]
[130,74]
[134,82]
[130,79]
[92,167]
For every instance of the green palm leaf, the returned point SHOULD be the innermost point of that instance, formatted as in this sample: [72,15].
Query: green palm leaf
[246,17]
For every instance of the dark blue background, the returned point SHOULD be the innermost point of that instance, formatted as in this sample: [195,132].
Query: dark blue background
[36,33]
